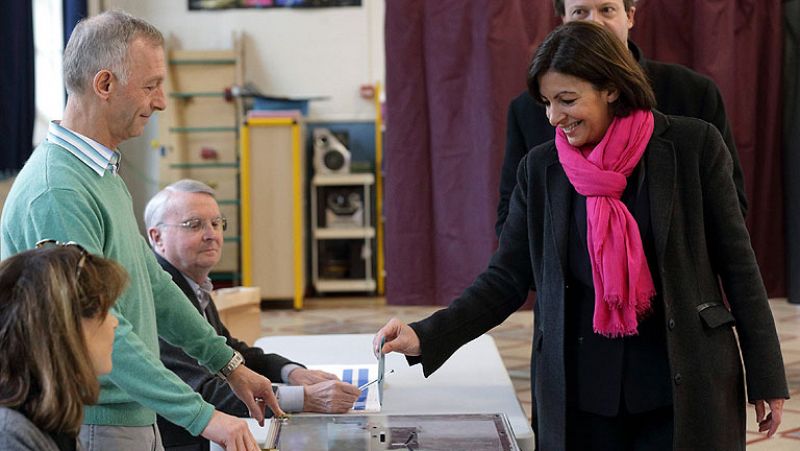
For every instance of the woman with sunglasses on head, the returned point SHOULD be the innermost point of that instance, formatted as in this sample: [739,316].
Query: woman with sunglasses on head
[626,224]
[56,336]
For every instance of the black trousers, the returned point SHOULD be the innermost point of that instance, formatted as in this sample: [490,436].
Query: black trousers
[647,431]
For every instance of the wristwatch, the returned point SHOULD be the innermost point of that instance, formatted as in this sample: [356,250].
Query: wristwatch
[232,364]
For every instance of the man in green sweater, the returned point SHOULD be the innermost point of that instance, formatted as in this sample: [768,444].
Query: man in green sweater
[70,190]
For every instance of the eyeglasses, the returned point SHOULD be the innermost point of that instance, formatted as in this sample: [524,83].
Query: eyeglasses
[195,225]
[50,243]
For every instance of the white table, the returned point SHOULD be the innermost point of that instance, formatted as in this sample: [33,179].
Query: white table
[473,380]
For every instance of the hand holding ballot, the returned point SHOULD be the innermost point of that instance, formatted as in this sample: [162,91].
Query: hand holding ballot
[397,336]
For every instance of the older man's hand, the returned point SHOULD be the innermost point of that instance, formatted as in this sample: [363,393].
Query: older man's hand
[303,376]
[330,396]
[255,391]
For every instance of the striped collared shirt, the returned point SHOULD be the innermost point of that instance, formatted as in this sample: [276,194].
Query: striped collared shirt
[95,155]
[202,291]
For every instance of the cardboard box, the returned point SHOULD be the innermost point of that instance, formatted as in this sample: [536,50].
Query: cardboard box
[239,309]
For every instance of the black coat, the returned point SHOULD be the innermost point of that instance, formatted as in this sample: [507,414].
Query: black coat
[679,91]
[213,389]
[700,240]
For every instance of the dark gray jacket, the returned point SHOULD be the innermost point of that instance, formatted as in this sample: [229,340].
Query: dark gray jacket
[700,240]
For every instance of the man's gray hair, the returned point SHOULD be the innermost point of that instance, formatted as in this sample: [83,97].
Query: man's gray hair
[154,211]
[101,42]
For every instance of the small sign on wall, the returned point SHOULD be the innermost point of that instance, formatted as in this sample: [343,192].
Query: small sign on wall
[197,5]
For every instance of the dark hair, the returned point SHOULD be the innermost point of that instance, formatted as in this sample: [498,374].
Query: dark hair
[558,6]
[46,372]
[590,52]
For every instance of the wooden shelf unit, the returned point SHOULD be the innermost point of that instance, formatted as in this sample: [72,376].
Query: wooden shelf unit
[355,238]
[199,135]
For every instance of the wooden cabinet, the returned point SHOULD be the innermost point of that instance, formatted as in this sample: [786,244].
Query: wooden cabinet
[239,310]
[273,219]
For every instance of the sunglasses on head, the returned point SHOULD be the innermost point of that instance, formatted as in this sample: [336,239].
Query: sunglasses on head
[50,243]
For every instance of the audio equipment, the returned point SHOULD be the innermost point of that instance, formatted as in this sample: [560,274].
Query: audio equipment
[330,155]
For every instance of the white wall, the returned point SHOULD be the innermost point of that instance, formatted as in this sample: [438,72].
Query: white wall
[307,52]
[293,52]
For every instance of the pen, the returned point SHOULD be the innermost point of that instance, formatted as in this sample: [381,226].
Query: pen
[373,381]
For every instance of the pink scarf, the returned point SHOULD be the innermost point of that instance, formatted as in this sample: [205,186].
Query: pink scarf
[622,282]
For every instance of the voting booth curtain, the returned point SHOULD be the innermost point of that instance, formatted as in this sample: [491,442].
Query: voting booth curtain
[739,45]
[452,69]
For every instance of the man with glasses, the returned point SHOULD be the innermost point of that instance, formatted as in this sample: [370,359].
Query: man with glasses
[184,226]
[70,190]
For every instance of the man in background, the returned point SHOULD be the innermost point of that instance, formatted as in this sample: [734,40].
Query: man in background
[70,190]
[184,226]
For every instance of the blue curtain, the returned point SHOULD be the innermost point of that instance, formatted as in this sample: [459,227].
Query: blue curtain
[17,102]
[74,11]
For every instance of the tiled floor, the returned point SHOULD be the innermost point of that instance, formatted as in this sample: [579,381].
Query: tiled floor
[513,338]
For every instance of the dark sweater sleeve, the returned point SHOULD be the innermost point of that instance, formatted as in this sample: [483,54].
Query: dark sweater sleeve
[527,126]
[515,150]
[213,389]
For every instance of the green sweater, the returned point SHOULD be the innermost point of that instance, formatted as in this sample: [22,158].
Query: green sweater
[58,196]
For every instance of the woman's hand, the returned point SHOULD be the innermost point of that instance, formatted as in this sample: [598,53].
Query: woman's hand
[399,338]
[771,420]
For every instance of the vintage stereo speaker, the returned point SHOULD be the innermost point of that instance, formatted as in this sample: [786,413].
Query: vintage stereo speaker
[330,155]
[340,207]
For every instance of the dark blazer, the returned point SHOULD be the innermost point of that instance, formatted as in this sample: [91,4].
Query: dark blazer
[213,389]
[699,238]
[679,91]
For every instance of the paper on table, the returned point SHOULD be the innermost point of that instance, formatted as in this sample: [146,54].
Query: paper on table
[357,375]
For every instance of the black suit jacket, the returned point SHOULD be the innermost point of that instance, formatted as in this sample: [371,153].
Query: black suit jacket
[679,91]
[213,389]
[699,238]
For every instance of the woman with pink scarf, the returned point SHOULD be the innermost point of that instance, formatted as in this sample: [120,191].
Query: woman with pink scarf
[628,226]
